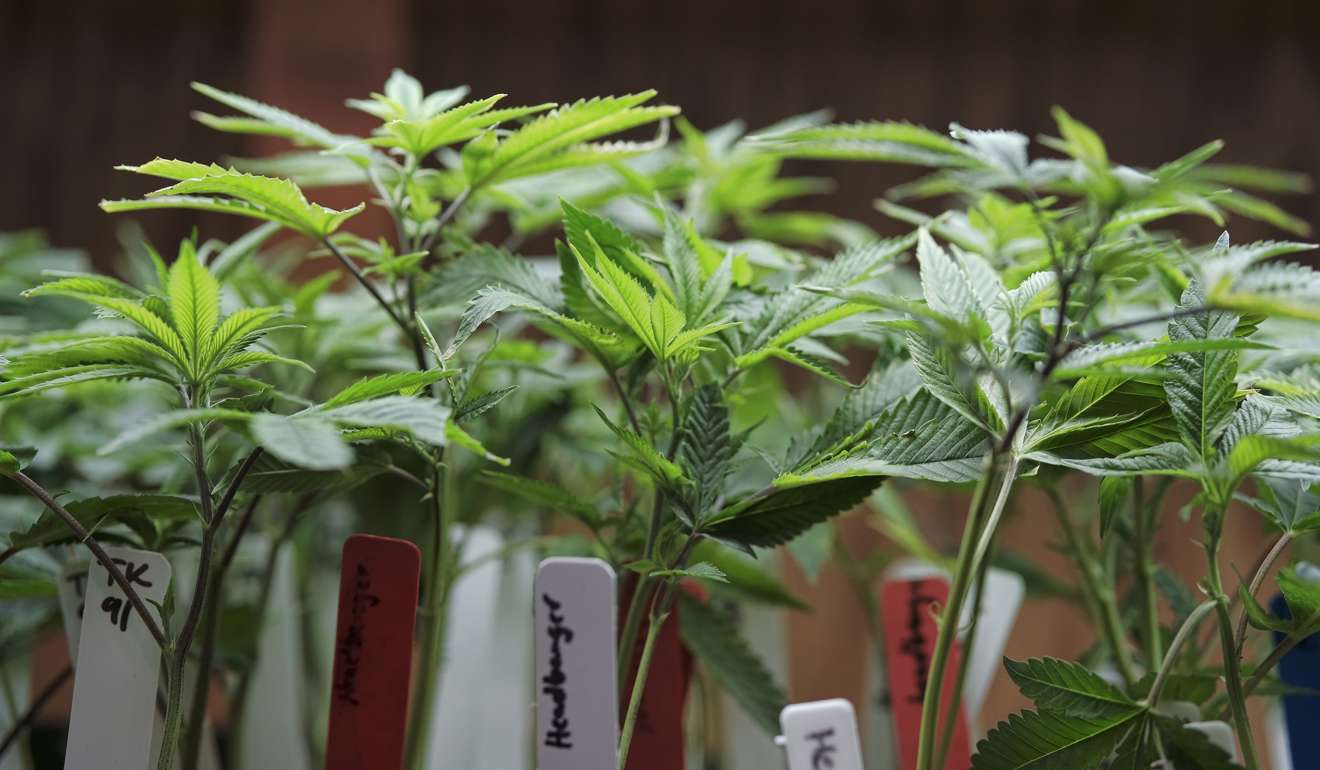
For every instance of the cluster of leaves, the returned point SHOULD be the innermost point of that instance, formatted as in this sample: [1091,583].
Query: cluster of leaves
[1055,323]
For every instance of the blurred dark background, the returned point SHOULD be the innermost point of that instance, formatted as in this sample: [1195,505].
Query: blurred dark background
[87,85]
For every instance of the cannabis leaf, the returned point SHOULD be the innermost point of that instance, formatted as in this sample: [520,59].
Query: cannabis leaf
[213,188]
[717,644]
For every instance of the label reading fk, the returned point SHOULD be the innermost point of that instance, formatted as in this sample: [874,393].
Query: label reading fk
[118,668]
[907,607]
[821,735]
[577,692]
[373,653]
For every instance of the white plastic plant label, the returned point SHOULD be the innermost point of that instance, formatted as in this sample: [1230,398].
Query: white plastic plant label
[118,668]
[72,591]
[821,735]
[1219,733]
[1004,592]
[577,708]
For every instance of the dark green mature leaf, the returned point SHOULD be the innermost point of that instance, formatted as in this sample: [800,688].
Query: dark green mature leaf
[1068,688]
[778,516]
[919,437]
[1115,494]
[717,644]
[1201,386]
[308,441]
[424,418]
[1302,596]
[95,512]
[1033,740]
[706,451]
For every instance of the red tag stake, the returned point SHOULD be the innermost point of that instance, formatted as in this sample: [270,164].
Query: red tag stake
[658,741]
[373,653]
[910,632]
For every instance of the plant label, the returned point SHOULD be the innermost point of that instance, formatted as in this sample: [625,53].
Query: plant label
[577,708]
[821,735]
[1004,592]
[908,607]
[118,668]
[378,582]
[72,591]
[658,738]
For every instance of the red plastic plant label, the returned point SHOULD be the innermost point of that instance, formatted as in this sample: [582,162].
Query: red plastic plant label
[908,607]
[373,653]
[658,740]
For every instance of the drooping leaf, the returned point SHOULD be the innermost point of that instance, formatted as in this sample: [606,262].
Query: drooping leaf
[1068,688]
[1045,740]
[719,647]
[308,441]
[778,516]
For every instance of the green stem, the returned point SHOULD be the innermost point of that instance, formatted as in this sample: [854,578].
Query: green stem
[1186,631]
[1098,594]
[173,711]
[981,515]
[1267,665]
[1262,569]
[210,626]
[964,665]
[639,686]
[11,704]
[1145,514]
[432,637]
[1232,664]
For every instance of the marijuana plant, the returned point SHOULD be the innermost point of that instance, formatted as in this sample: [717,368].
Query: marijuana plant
[1031,341]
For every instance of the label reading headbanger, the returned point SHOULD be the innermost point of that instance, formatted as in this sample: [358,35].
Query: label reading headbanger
[576,679]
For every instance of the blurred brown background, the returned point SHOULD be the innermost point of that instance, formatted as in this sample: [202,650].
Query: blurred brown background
[85,86]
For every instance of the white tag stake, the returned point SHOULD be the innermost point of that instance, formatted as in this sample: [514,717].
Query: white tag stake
[72,590]
[577,712]
[821,735]
[114,687]
[1004,592]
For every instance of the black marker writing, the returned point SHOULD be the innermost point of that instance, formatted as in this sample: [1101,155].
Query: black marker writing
[914,644]
[118,609]
[552,683]
[349,648]
[823,755]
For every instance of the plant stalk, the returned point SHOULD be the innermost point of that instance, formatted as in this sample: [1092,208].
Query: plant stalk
[1232,665]
[1185,632]
[1262,569]
[979,516]
[1101,597]
[639,685]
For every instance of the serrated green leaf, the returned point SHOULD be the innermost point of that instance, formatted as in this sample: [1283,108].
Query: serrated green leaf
[717,644]
[391,384]
[308,441]
[424,418]
[1068,688]
[639,454]
[776,517]
[178,418]
[1033,740]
